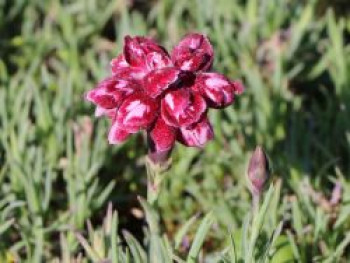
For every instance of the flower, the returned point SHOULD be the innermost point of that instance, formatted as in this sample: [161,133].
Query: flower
[258,171]
[166,95]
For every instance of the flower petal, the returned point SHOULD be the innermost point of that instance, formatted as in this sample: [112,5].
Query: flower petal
[196,135]
[159,80]
[158,60]
[118,62]
[238,87]
[110,92]
[162,135]
[173,105]
[137,48]
[193,53]
[181,108]
[133,52]
[121,69]
[129,73]
[136,112]
[99,111]
[216,88]
[117,135]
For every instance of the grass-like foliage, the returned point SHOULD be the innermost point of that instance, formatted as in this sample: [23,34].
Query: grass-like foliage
[58,173]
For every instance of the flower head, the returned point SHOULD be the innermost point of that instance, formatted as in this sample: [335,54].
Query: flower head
[168,96]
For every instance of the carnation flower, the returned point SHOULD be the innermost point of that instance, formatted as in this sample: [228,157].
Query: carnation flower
[168,96]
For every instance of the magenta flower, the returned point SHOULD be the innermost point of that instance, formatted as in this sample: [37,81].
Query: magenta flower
[168,96]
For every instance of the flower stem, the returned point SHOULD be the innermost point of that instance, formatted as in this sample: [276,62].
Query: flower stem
[153,187]
[255,203]
[157,163]
[155,176]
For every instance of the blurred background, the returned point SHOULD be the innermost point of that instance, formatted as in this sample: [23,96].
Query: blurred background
[58,172]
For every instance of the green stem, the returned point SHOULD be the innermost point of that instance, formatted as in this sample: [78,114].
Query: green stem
[152,193]
[157,164]
[255,228]
[153,182]
[255,204]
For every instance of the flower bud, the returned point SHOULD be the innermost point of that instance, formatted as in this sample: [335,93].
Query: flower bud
[258,171]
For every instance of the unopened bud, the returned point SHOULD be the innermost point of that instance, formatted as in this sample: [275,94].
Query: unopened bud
[336,194]
[258,171]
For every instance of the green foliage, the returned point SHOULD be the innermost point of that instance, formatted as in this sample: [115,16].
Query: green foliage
[57,172]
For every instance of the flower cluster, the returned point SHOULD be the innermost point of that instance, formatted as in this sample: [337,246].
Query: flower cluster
[166,95]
